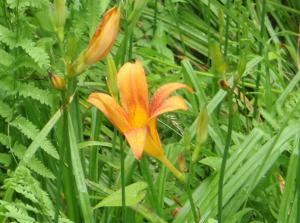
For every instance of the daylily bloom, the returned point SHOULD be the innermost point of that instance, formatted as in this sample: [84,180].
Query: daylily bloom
[101,42]
[136,117]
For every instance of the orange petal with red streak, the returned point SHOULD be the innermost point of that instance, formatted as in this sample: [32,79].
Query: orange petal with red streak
[111,110]
[132,84]
[170,104]
[136,140]
[104,36]
[163,93]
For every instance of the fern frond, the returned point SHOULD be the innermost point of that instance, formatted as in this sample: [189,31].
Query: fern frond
[35,164]
[31,131]
[17,213]
[41,95]
[5,111]
[26,90]
[8,86]
[64,220]
[26,4]
[6,58]
[7,37]
[4,140]
[23,183]
[38,54]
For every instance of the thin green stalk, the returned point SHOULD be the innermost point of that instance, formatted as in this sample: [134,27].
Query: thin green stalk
[155,18]
[208,18]
[224,159]
[96,126]
[146,173]
[123,181]
[78,172]
[130,47]
[298,183]
[61,161]
[175,17]
[190,197]
[189,193]
[226,30]
[68,182]
[112,155]
[257,83]
[229,130]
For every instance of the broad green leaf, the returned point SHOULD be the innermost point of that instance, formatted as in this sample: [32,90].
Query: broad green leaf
[134,193]
[213,162]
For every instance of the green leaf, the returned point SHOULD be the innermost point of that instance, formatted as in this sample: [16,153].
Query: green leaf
[5,159]
[35,164]
[5,110]
[134,194]
[79,175]
[213,162]
[39,139]
[6,58]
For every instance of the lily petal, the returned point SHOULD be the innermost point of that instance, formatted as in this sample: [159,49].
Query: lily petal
[163,93]
[131,81]
[153,145]
[136,140]
[170,104]
[111,110]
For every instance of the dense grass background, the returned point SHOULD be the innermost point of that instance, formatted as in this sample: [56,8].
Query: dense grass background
[58,161]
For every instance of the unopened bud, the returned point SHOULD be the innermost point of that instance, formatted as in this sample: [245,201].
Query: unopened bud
[181,163]
[60,17]
[112,77]
[57,82]
[201,133]
[101,42]
[202,126]
[224,84]
[219,65]
[187,138]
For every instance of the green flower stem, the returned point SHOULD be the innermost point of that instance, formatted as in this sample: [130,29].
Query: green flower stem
[68,182]
[146,173]
[298,183]
[123,181]
[261,46]
[224,159]
[229,130]
[193,207]
[196,214]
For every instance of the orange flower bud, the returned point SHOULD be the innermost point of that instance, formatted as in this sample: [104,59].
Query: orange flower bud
[101,42]
[104,37]
[181,163]
[57,82]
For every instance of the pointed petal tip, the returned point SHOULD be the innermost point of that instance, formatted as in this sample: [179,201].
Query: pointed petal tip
[136,140]
[138,155]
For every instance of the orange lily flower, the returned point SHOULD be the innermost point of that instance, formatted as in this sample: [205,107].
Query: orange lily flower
[101,42]
[136,117]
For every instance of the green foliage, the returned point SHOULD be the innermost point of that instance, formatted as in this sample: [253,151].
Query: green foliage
[60,160]
[28,187]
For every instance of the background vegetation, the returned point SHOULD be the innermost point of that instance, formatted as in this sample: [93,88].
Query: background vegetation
[61,163]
